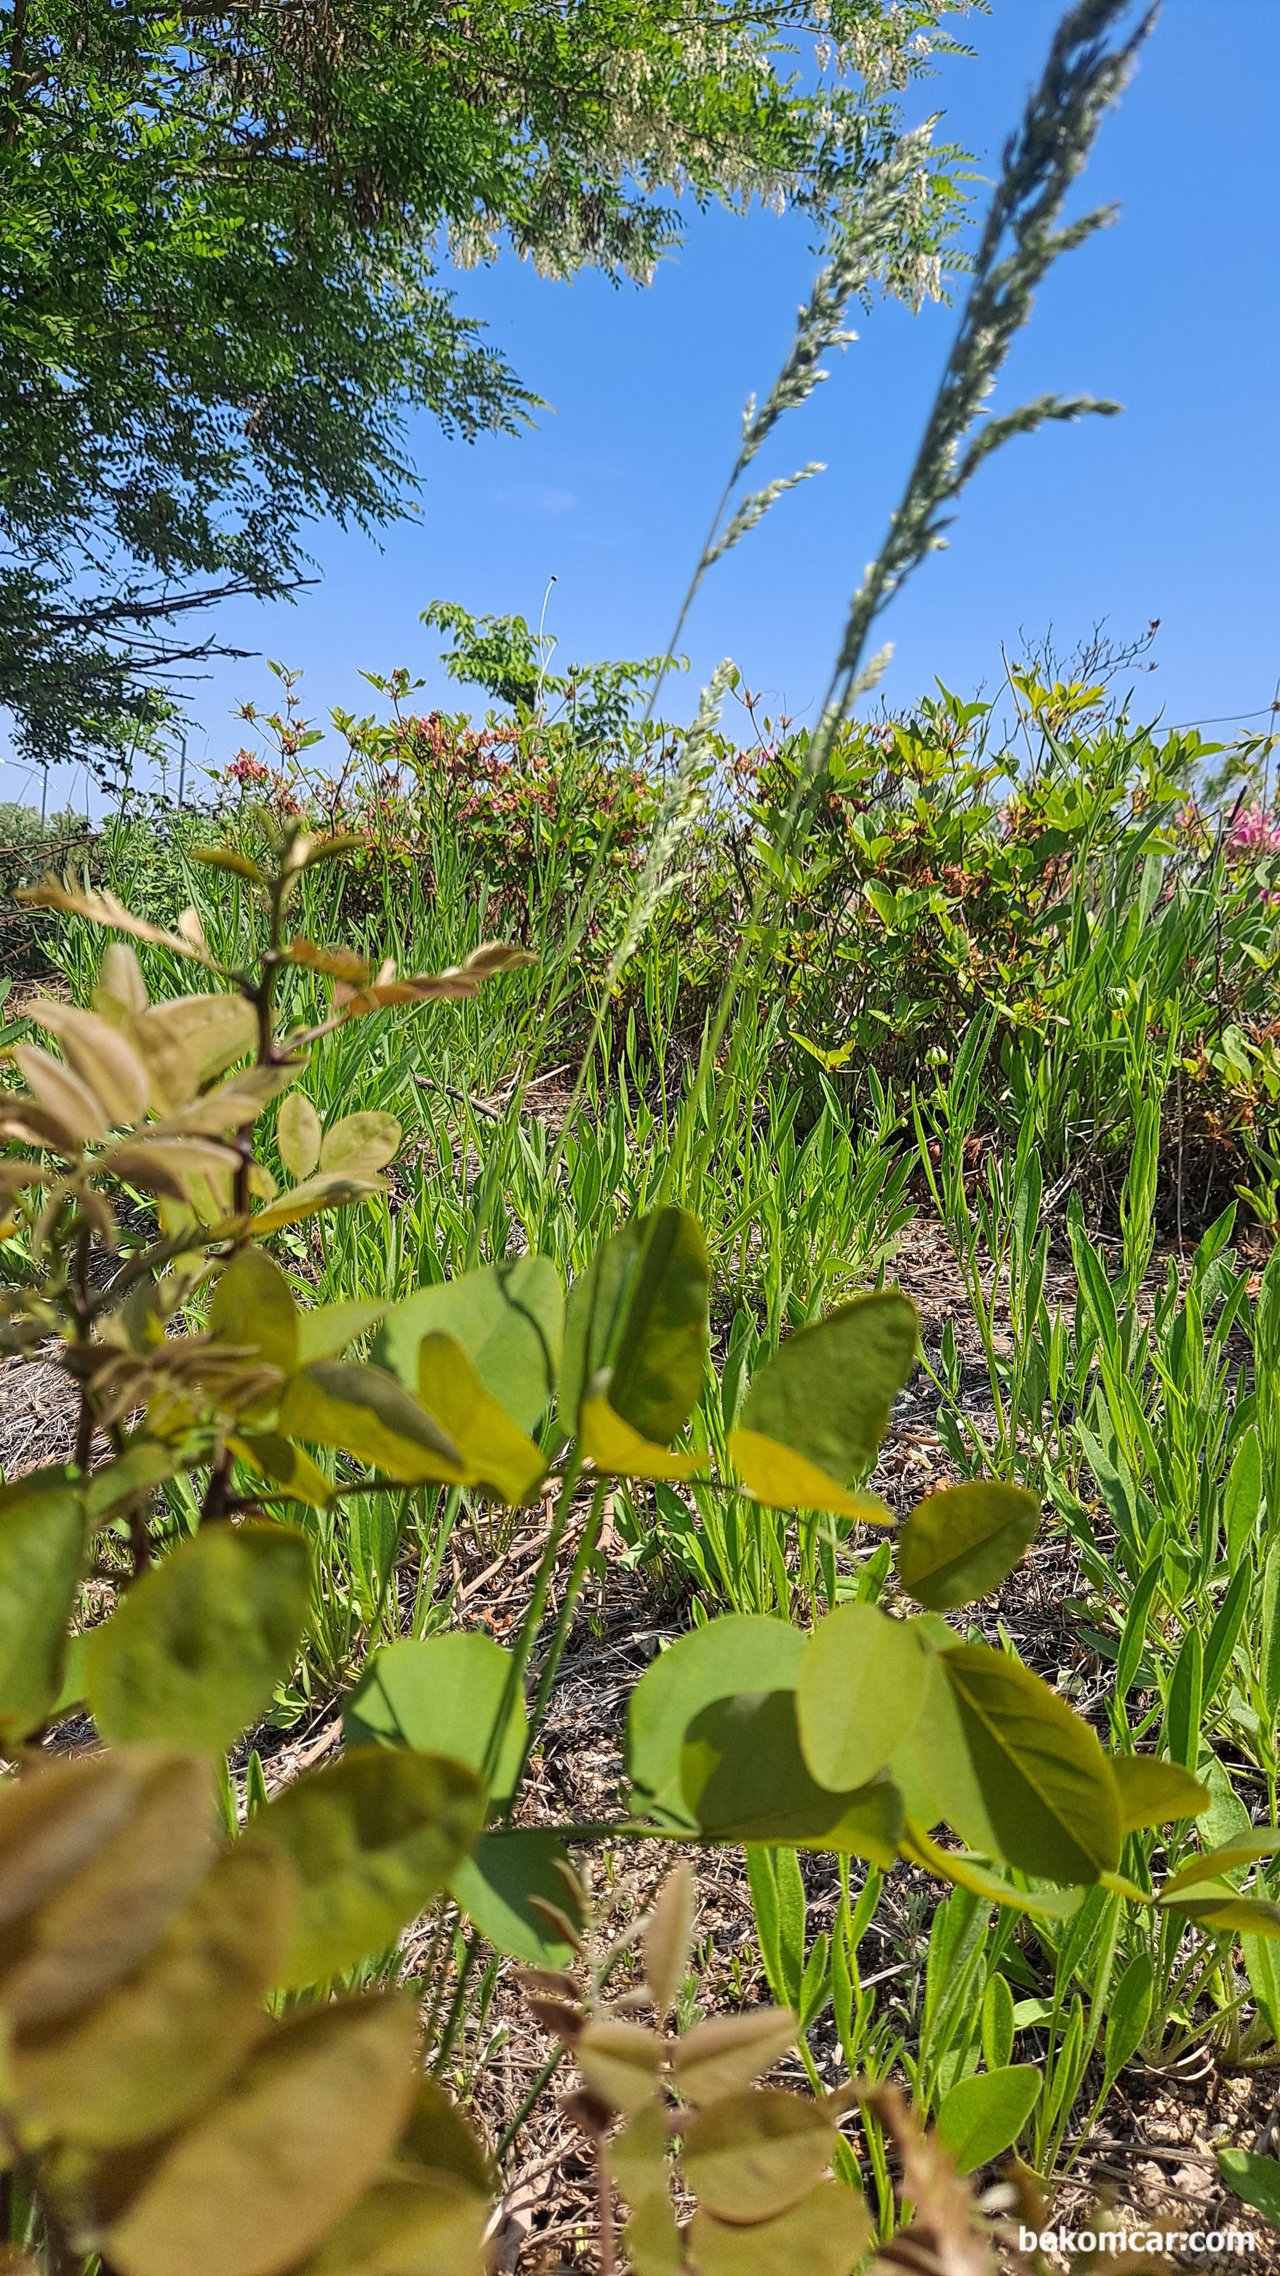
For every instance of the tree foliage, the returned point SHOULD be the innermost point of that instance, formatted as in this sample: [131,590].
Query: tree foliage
[221,253]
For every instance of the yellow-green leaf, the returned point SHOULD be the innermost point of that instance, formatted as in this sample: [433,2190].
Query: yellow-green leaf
[297,2135]
[494,1451]
[618,1451]
[372,1838]
[253,1308]
[782,1479]
[298,1135]
[42,1543]
[361,1144]
[363,1411]
[160,2043]
[195,1650]
[829,2233]
[748,2157]
[960,1543]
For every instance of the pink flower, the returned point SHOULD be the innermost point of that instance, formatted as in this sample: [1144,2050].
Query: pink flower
[1253,832]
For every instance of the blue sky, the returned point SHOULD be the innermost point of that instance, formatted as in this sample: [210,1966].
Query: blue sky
[1169,512]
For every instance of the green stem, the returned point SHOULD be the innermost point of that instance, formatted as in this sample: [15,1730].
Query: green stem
[564,1619]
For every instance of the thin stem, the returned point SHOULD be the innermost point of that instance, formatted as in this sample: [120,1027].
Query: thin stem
[564,1620]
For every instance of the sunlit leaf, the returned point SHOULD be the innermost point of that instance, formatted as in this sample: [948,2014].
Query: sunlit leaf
[212,1031]
[733,1654]
[827,1391]
[1046,1784]
[101,1057]
[42,1544]
[509,1319]
[980,2117]
[62,1094]
[863,1683]
[782,1479]
[444,1695]
[372,1839]
[1154,1792]
[750,2156]
[618,1451]
[494,1451]
[293,2140]
[298,1135]
[106,909]
[194,1651]
[328,1190]
[253,1308]
[363,1411]
[360,1144]
[962,1542]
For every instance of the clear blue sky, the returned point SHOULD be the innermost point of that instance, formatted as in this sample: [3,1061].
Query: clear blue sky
[1170,511]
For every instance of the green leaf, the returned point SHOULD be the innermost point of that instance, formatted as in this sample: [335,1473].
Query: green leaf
[509,1319]
[495,1452]
[42,1546]
[496,1887]
[829,2233]
[372,1839]
[998,2024]
[782,1479]
[863,1682]
[961,1543]
[160,2044]
[1184,1706]
[743,1778]
[253,1307]
[298,1135]
[1216,1905]
[1046,1785]
[267,2169]
[195,1650]
[639,1315]
[286,1466]
[328,1330]
[329,1189]
[618,1451]
[1255,2180]
[1128,2014]
[984,2115]
[751,2156]
[827,1391]
[443,1696]
[713,1662]
[362,1411]
[1154,1792]
[361,1144]
[1232,1857]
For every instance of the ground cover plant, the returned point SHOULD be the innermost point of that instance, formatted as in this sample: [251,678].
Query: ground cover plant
[455,1199]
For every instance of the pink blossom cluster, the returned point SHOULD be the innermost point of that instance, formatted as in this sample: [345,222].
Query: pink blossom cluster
[1253,831]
